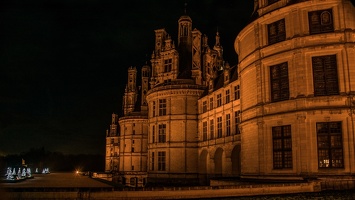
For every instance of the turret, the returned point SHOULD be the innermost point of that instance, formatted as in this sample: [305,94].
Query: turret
[145,87]
[130,95]
[185,46]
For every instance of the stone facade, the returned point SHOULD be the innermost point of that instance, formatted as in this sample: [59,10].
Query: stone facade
[285,111]
[297,90]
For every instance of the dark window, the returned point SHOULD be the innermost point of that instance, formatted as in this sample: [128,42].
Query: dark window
[132,149]
[330,145]
[211,103]
[325,75]
[276,32]
[162,107]
[237,121]
[211,129]
[228,124]
[219,127]
[227,96]
[282,147]
[204,106]
[162,133]
[236,92]
[204,131]
[168,65]
[153,134]
[153,109]
[279,82]
[152,162]
[219,100]
[320,21]
[161,160]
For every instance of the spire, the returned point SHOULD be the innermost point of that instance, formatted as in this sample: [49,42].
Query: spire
[217,38]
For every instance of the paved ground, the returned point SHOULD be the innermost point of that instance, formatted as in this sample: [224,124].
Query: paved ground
[58,180]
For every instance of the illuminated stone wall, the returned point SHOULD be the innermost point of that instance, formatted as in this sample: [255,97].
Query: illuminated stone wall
[133,150]
[317,33]
[173,134]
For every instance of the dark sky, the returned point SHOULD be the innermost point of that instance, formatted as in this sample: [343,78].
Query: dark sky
[63,63]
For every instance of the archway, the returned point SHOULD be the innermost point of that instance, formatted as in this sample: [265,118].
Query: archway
[218,162]
[203,164]
[235,158]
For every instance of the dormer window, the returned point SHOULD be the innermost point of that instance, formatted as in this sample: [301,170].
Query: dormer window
[211,85]
[168,63]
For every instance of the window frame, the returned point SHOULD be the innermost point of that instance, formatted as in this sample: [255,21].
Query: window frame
[227,96]
[282,147]
[162,107]
[236,92]
[162,133]
[212,129]
[219,127]
[276,32]
[325,75]
[279,82]
[316,23]
[228,124]
[204,131]
[161,160]
[204,106]
[219,100]
[168,64]
[329,144]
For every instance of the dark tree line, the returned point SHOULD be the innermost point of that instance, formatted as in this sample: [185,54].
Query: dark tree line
[55,161]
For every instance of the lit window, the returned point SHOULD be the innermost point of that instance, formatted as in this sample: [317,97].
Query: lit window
[219,127]
[279,82]
[320,21]
[330,145]
[325,75]
[282,147]
[276,32]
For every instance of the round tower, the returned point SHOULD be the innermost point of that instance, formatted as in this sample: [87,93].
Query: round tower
[296,60]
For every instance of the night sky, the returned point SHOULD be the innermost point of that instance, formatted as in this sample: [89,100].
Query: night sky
[63,63]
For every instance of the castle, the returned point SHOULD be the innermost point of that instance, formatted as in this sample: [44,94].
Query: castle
[284,112]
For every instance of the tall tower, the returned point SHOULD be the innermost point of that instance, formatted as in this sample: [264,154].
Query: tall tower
[185,45]
[130,96]
[145,87]
[172,101]
[112,146]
